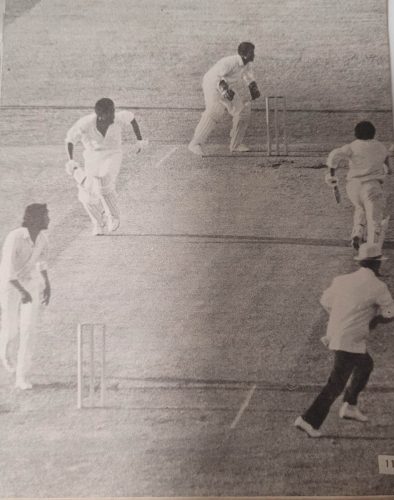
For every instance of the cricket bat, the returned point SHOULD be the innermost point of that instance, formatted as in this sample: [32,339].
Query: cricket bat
[337,194]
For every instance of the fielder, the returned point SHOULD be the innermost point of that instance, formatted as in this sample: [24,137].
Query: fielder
[355,302]
[368,164]
[222,86]
[24,286]
[101,136]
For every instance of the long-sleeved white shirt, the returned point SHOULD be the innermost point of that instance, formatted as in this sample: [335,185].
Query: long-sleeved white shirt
[85,131]
[352,301]
[365,159]
[232,70]
[21,258]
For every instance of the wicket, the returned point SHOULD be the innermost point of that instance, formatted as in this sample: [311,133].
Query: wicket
[283,110]
[93,330]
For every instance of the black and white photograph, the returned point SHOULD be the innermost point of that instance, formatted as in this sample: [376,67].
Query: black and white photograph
[197,248]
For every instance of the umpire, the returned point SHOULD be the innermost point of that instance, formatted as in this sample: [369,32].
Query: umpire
[353,301]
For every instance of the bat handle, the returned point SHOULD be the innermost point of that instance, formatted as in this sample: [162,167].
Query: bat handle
[332,172]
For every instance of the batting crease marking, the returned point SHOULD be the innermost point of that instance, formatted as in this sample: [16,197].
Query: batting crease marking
[244,405]
[166,156]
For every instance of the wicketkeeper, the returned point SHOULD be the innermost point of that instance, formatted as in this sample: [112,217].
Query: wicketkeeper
[222,86]
[368,163]
[101,136]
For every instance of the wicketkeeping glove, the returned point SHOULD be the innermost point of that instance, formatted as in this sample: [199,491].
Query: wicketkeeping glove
[225,90]
[70,166]
[254,91]
[330,180]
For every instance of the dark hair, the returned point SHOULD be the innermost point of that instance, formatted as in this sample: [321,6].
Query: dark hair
[373,264]
[244,48]
[34,212]
[104,105]
[364,131]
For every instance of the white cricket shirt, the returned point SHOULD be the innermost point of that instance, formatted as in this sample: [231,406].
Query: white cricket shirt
[352,301]
[21,258]
[232,70]
[365,159]
[85,131]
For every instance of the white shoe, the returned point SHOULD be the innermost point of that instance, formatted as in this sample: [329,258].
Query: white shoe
[97,230]
[242,148]
[8,366]
[23,385]
[301,424]
[196,149]
[113,224]
[352,412]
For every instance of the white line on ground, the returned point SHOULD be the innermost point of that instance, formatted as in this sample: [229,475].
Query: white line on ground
[166,156]
[244,405]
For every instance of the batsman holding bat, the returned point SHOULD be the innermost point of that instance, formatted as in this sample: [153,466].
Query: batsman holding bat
[100,135]
[222,86]
[368,163]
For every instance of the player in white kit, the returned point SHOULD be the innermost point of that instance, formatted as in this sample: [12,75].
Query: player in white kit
[368,163]
[223,85]
[101,136]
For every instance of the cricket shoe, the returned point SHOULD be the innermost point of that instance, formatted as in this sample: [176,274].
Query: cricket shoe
[242,148]
[113,224]
[196,149]
[352,412]
[23,385]
[98,230]
[301,424]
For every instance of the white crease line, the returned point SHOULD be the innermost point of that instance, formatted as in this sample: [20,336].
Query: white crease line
[244,405]
[166,156]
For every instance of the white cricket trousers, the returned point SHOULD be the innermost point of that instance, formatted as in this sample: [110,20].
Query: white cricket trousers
[369,206]
[19,320]
[102,169]
[215,108]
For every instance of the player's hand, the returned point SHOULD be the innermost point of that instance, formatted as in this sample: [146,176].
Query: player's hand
[330,180]
[141,144]
[70,166]
[254,91]
[387,169]
[325,341]
[46,295]
[26,297]
[225,90]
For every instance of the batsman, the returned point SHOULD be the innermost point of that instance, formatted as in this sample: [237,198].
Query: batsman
[223,87]
[101,136]
[368,162]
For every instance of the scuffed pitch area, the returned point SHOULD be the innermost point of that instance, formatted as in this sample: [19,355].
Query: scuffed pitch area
[210,292]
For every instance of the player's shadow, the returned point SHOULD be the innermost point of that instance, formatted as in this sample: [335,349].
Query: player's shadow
[341,437]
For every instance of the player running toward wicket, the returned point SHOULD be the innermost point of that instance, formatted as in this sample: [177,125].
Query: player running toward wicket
[356,302]
[101,136]
[24,286]
[222,86]
[368,163]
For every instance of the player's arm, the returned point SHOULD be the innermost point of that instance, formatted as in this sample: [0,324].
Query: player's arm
[386,166]
[47,289]
[251,82]
[385,310]
[73,137]
[327,298]
[9,261]
[141,143]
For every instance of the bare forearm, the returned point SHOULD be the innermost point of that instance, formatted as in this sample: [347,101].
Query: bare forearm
[136,130]
[70,150]
[18,286]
